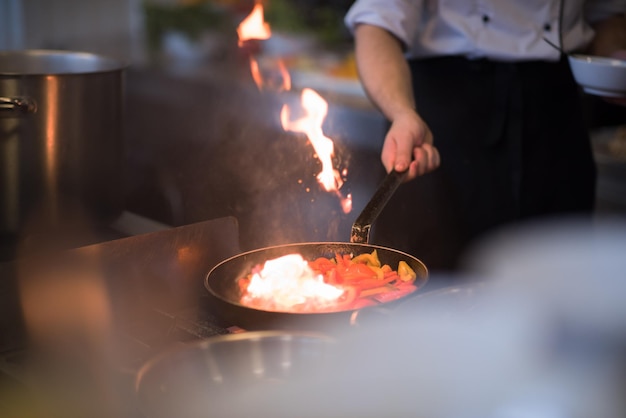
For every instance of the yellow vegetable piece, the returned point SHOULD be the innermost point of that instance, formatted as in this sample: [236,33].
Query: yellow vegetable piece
[405,272]
[370,259]
[380,273]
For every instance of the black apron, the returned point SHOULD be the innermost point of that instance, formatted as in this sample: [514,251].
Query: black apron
[514,146]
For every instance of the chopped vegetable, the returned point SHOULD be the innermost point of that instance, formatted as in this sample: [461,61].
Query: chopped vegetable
[406,273]
[369,259]
[364,278]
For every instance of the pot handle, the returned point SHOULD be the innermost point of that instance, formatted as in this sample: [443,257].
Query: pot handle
[361,227]
[19,105]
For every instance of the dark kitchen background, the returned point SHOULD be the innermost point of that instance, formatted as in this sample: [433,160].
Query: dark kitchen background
[201,141]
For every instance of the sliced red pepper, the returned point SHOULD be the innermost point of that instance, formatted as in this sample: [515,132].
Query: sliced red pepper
[393,275]
[322,265]
[358,271]
[332,277]
[348,299]
[371,283]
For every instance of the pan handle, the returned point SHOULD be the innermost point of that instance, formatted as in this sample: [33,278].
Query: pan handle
[361,227]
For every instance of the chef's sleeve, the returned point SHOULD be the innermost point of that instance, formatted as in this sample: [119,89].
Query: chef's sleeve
[399,17]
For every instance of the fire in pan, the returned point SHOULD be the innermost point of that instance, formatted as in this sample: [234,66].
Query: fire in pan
[344,277]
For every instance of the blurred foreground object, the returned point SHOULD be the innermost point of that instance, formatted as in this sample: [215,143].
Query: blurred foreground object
[67,313]
[545,336]
[203,378]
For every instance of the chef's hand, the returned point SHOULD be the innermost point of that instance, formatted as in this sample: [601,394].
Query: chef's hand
[409,144]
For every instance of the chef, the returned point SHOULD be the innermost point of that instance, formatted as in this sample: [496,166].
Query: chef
[479,96]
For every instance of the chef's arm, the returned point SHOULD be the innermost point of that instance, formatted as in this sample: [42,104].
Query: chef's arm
[386,78]
[610,37]
[383,70]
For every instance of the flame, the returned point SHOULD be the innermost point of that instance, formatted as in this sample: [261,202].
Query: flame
[256,73]
[346,203]
[285,75]
[288,282]
[315,107]
[280,80]
[254,26]
[315,111]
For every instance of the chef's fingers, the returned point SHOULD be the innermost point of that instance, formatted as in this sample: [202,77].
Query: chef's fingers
[398,150]
[405,151]
[389,151]
[425,159]
[407,133]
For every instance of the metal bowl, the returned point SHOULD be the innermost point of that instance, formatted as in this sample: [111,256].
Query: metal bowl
[207,377]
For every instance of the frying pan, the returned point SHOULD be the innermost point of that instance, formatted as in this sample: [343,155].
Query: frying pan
[225,295]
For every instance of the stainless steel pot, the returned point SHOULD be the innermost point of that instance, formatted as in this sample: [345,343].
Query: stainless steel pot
[60,137]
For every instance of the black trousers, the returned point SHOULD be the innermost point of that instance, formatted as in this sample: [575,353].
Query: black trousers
[514,146]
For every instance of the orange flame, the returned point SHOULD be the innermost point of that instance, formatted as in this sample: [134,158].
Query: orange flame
[253,26]
[256,72]
[285,75]
[280,81]
[316,108]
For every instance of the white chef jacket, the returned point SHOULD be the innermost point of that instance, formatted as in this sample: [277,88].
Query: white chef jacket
[504,30]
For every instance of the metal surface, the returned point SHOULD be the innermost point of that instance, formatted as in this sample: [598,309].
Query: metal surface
[202,378]
[161,271]
[60,137]
[362,225]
